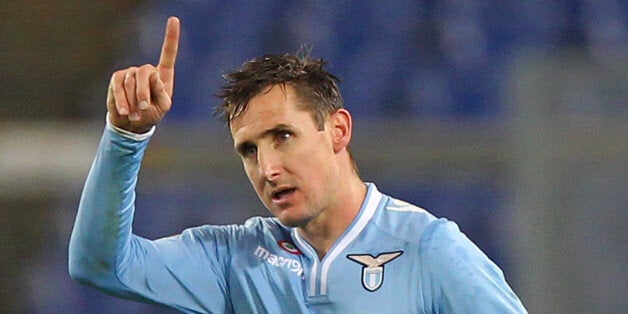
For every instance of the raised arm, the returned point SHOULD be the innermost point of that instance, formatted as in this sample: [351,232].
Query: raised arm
[102,246]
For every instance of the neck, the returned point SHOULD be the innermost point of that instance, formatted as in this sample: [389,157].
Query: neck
[324,230]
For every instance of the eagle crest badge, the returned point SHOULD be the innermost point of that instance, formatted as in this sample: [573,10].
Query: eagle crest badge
[373,268]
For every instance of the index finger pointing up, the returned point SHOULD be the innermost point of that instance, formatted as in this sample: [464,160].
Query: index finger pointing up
[169,51]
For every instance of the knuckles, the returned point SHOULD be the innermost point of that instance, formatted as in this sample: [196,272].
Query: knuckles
[146,69]
[132,72]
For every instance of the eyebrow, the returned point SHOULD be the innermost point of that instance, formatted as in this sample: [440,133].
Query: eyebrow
[274,130]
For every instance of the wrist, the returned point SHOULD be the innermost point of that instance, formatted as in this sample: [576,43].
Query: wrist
[137,135]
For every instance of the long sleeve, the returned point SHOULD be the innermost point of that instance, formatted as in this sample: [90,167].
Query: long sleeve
[185,272]
[102,230]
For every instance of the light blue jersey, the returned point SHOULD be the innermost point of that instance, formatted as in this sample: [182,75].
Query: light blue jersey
[394,257]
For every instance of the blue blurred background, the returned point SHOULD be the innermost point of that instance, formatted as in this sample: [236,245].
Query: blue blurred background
[508,117]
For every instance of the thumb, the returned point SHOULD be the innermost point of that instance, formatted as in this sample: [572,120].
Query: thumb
[160,95]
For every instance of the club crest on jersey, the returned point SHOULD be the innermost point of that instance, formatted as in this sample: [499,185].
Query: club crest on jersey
[373,268]
[288,247]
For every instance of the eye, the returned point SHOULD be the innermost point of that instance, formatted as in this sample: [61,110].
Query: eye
[247,150]
[282,136]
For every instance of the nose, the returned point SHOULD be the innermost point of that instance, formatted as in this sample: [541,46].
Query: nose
[269,164]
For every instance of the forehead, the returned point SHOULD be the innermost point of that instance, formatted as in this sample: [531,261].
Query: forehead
[275,105]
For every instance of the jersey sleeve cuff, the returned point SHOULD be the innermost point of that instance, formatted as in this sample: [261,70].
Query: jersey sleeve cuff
[134,136]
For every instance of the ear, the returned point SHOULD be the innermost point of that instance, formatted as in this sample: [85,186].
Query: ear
[340,125]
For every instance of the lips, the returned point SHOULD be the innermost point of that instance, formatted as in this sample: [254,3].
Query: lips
[282,194]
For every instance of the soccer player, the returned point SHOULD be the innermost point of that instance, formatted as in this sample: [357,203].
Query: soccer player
[335,244]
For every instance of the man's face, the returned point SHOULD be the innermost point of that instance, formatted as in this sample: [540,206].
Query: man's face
[289,162]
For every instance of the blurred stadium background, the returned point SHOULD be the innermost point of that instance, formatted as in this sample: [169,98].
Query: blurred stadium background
[509,117]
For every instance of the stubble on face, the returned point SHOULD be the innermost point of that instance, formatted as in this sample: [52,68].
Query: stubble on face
[301,165]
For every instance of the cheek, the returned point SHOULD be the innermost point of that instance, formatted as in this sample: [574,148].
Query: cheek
[317,161]
[252,175]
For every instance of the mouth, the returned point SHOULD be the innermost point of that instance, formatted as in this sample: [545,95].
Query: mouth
[282,194]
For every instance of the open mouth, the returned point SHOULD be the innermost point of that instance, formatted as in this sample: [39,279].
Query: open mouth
[282,194]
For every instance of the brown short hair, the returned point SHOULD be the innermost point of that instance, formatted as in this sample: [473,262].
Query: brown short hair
[316,87]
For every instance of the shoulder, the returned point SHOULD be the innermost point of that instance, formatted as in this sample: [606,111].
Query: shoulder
[443,245]
[402,219]
[230,239]
[222,241]
[456,274]
[252,227]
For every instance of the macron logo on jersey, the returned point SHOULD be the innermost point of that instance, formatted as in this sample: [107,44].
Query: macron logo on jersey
[373,268]
[290,264]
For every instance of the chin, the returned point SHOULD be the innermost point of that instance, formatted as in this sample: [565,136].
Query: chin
[289,216]
[292,222]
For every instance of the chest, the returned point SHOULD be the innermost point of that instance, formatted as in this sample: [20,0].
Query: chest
[275,276]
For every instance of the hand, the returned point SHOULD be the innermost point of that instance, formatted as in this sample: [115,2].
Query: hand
[139,97]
